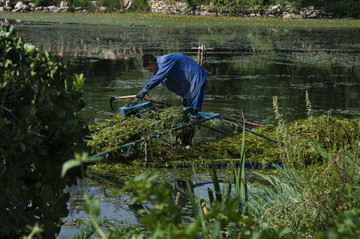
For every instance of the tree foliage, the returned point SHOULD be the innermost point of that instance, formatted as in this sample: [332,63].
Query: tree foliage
[340,8]
[39,130]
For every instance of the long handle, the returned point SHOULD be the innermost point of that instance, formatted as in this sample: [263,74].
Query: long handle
[125,97]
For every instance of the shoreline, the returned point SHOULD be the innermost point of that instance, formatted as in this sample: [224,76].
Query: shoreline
[158,19]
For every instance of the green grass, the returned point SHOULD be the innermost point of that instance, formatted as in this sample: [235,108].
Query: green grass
[125,19]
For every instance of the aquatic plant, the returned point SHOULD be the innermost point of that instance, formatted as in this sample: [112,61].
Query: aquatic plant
[299,200]
[318,180]
[168,125]
[302,139]
[308,200]
[319,203]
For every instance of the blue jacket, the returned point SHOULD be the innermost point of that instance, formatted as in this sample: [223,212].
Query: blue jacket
[180,74]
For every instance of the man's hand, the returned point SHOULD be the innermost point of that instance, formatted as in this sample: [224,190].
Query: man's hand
[139,97]
[141,94]
[134,102]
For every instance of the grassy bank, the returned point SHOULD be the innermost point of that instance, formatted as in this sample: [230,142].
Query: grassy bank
[127,19]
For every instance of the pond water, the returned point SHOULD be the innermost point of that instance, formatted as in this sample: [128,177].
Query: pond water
[117,207]
[248,66]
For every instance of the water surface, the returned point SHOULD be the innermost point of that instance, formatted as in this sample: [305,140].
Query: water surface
[248,66]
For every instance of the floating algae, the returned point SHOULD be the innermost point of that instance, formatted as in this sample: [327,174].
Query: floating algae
[303,140]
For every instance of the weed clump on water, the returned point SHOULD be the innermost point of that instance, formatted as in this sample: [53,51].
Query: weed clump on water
[124,138]
[304,136]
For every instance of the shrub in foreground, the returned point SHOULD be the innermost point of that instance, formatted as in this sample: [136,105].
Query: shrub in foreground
[39,130]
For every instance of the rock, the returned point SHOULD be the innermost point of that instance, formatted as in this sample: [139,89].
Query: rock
[312,15]
[287,15]
[275,7]
[53,9]
[166,11]
[64,4]
[127,4]
[103,9]
[19,5]
[184,9]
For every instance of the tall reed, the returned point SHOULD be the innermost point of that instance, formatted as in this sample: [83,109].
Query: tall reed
[307,198]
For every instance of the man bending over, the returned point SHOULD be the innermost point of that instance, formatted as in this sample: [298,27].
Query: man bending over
[177,72]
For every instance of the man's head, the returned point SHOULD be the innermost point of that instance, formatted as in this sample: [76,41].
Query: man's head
[149,63]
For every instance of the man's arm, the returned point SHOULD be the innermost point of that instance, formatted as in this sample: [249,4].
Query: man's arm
[165,67]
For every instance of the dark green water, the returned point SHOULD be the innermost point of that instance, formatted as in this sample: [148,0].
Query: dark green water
[248,66]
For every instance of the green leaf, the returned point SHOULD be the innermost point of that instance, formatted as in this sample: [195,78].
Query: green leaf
[29,48]
[69,165]
[92,206]
[78,81]
[3,84]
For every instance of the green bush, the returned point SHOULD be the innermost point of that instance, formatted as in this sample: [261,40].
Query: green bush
[111,4]
[80,3]
[44,3]
[140,5]
[342,8]
[195,3]
[39,130]
[348,8]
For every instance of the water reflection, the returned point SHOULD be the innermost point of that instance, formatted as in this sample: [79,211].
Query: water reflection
[118,207]
[113,206]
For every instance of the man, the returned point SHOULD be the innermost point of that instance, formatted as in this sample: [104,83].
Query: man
[177,72]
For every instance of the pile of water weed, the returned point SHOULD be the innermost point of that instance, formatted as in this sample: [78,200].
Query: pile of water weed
[303,137]
[146,126]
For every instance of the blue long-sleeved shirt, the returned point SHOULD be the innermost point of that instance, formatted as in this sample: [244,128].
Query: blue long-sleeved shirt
[180,74]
